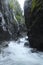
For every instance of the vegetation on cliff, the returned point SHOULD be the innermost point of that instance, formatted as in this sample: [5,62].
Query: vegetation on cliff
[14,4]
[36,4]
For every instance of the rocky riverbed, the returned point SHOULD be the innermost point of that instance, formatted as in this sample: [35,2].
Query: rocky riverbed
[17,54]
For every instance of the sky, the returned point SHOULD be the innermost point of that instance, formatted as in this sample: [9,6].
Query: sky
[21,2]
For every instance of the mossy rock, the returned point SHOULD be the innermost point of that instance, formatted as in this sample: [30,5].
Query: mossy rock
[36,4]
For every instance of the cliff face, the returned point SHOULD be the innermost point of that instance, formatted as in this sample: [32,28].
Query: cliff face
[8,24]
[27,12]
[34,22]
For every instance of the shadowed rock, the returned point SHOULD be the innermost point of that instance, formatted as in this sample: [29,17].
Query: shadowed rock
[4,34]
[34,22]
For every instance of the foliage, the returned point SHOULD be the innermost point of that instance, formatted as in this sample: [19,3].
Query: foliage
[17,9]
[36,4]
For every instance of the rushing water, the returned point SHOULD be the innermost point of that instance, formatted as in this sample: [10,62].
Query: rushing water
[17,54]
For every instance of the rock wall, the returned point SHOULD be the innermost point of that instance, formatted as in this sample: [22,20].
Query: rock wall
[8,24]
[33,11]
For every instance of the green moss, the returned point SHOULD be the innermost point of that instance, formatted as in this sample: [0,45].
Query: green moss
[15,6]
[33,5]
[11,4]
[36,4]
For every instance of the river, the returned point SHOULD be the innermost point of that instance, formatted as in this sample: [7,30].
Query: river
[17,54]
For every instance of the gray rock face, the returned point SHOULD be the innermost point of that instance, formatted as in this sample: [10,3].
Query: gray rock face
[34,23]
[4,34]
[8,27]
[27,12]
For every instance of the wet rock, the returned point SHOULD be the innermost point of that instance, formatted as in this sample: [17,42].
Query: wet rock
[4,44]
[26,44]
[34,22]
[8,23]
[34,50]
[4,34]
